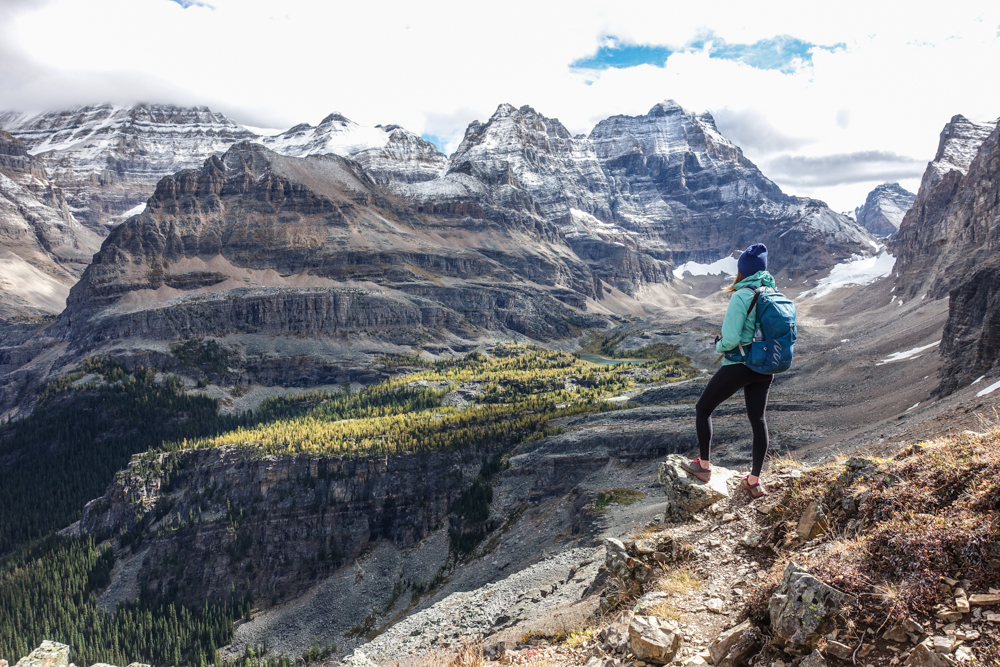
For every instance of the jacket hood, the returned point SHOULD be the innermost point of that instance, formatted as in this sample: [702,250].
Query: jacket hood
[761,278]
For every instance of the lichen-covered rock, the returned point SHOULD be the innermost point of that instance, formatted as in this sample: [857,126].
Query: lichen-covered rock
[687,495]
[802,606]
[654,639]
[48,654]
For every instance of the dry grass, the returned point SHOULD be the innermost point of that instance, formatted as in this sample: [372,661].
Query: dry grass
[678,581]
[931,510]
[663,609]
[467,655]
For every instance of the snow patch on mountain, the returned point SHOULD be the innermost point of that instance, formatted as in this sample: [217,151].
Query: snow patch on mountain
[959,143]
[857,271]
[335,134]
[725,266]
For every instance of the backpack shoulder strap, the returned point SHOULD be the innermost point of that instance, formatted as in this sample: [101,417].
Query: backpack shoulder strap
[756,295]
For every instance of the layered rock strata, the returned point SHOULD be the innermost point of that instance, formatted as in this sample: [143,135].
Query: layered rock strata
[258,243]
[948,243]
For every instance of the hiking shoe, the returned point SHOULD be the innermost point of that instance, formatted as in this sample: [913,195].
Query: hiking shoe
[756,490]
[695,469]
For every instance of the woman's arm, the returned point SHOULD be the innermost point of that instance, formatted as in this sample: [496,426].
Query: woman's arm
[732,326]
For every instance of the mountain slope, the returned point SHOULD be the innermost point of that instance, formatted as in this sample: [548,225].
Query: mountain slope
[43,249]
[255,243]
[884,209]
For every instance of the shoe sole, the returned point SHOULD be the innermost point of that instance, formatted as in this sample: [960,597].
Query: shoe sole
[701,476]
[746,487]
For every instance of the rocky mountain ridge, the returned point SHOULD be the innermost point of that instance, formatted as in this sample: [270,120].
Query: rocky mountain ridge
[947,243]
[255,243]
[634,181]
[884,208]
[108,158]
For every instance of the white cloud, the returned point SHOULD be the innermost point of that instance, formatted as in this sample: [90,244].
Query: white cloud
[433,67]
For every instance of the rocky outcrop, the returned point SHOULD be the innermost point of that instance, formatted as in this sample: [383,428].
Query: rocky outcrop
[922,246]
[210,519]
[947,246]
[53,654]
[884,209]
[687,495]
[802,607]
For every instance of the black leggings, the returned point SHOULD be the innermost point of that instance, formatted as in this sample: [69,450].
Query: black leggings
[727,381]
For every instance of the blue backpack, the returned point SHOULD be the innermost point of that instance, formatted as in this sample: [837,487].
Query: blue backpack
[774,333]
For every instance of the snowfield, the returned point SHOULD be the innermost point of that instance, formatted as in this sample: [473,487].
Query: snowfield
[908,354]
[726,265]
[857,271]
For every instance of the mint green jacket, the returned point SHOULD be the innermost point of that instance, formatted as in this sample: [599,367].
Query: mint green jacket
[737,327]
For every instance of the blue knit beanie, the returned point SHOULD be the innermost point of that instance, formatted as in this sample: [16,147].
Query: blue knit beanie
[752,260]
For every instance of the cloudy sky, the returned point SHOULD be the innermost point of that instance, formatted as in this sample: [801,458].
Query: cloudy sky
[829,99]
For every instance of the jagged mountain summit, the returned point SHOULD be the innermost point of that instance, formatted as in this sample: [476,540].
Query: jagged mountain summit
[884,208]
[666,187]
[920,245]
[947,246]
[108,158]
[43,249]
[388,153]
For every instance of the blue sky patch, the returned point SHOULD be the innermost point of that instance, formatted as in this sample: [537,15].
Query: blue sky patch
[619,56]
[440,142]
[782,52]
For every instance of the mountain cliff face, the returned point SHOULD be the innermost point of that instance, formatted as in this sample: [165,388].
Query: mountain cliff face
[43,249]
[922,248]
[948,246]
[108,159]
[884,209]
[258,243]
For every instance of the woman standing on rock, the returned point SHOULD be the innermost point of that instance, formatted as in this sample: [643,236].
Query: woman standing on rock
[737,335]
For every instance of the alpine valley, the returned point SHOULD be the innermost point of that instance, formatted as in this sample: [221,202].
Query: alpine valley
[330,394]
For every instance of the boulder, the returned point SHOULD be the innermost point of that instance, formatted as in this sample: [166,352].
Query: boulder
[838,650]
[654,639]
[616,558]
[813,521]
[924,656]
[48,654]
[983,599]
[615,640]
[802,606]
[908,630]
[720,646]
[687,495]
[814,659]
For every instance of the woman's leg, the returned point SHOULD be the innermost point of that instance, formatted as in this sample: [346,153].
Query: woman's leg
[727,381]
[755,394]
